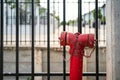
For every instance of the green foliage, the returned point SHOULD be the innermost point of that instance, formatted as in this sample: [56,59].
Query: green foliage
[61,23]
[103,20]
[11,3]
[56,17]
[42,10]
[13,6]
[99,14]
[29,78]
[69,22]
[89,21]
[72,21]
[38,1]
[27,0]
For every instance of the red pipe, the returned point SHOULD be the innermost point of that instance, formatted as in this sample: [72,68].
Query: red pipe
[76,64]
[77,43]
[76,60]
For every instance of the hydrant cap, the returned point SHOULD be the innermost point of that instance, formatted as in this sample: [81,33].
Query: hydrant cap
[87,40]
[62,38]
[66,38]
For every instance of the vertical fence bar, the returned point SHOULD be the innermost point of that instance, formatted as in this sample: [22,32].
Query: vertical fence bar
[6,23]
[39,27]
[44,28]
[11,25]
[97,52]
[48,39]
[17,39]
[1,41]
[89,21]
[53,22]
[25,22]
[20,40]
[80,16]
[104,23]
[58,18]
[32,40]
[64,48]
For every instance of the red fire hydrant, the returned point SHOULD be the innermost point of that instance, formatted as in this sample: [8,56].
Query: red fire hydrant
[77,43]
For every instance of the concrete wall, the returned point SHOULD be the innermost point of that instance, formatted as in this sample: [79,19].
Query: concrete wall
[56,60]
[113,39]
[102,63]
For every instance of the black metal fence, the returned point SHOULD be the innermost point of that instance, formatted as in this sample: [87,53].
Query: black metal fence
[39,23]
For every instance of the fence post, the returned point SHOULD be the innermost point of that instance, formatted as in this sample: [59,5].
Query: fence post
[113,40]
[1,39]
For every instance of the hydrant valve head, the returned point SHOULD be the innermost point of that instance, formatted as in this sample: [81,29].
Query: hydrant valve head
[87,40]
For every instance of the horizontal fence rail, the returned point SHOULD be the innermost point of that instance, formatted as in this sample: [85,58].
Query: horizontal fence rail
[38,23]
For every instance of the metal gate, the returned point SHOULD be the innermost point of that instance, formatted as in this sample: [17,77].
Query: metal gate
[19,22]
